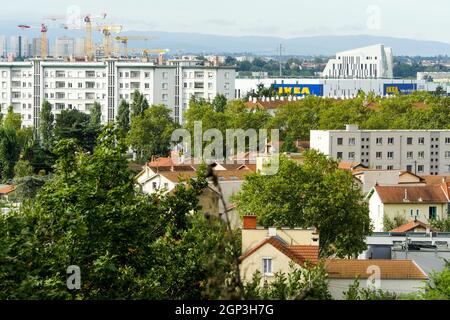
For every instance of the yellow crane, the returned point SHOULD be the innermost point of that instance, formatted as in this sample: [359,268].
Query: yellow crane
[125,39]
[77,23]
[88,42]
[107,30]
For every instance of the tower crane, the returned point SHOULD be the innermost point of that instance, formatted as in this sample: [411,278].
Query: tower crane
[107,30]
[125,39]
[88,42]
[147,52]
[87,19]
[44,29]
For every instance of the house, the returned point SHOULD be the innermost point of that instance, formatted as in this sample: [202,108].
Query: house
[413,226]
[351,166]
[395,276]
[6,191]
[230,182]
[369,178]
[273,250]
[412,203]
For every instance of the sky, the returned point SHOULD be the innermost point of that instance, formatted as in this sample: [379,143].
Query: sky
[414,19]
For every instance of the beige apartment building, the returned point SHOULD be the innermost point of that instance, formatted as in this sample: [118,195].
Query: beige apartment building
[422,152]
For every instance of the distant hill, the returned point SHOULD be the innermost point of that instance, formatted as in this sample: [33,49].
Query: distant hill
[208,43]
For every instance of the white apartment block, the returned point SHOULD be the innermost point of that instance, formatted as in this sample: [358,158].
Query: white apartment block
[423,152]
[363,63]
[78,85]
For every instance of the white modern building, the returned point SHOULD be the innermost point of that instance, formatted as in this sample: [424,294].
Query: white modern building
[422,152]
[371,62]
[77,85]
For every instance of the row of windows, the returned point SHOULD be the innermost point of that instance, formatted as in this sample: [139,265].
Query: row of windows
[390,141]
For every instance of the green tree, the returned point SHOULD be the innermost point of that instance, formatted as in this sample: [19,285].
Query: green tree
[219,103]
[438,286]
[354,292]
[73,124]
[9,152]
[300,283]
[396,222]
[46,125]
[139,104]
[22,169]
[151,132]
[123,117]
[12,120]
[314,194]
[96,115]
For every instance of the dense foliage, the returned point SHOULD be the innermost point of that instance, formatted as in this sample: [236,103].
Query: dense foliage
[313,194]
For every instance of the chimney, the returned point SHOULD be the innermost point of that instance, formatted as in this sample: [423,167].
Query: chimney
[249,222]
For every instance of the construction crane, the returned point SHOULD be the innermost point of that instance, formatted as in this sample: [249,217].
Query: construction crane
[87,19]
[147,52]
[125,39]
[88,42]
[107,30]
[44,29]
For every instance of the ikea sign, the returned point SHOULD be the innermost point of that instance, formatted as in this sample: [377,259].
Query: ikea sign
[399,88]
[299,89]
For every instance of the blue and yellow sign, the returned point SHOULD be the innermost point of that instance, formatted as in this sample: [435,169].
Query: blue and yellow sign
[399,88]
[299,89]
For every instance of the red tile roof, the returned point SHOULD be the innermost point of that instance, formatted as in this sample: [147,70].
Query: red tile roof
[411,194]
[411,226]
[227,175]
[350,165]
[389,269]
[298,254]
[7,189]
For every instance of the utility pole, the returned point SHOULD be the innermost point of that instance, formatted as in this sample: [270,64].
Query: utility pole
[280,51]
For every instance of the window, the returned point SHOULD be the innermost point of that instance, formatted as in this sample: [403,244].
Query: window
[447,140]
[421,140]
[351,155]
[421,154]
[165,97]
[391,141]
[339,155]
[267,266]
[147,74]
[432,213]
[379,155]
[352,141]
[447,154]
[379,167]
[390,155]
[420,168]
[340,141]
[154,185]
[379,141]
[409,168]
[409,154]
[165,75]
[390,167]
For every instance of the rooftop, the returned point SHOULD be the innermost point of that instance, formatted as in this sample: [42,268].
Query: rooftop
[390,269]
[411,194]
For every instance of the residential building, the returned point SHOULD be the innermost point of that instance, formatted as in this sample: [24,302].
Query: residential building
[424,203]
[77,85]
[422,152]
[369,62]
[272,250]
[395,276]
[416,241]
[370,178]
